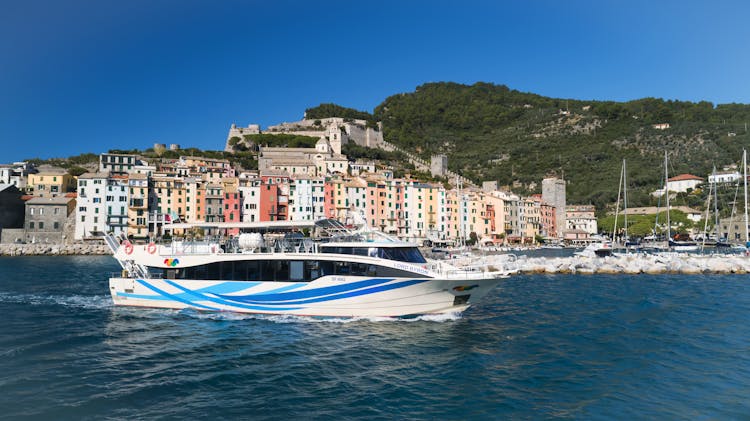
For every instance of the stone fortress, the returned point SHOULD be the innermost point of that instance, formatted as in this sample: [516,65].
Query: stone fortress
[337,131]
[346,130]
[324,159]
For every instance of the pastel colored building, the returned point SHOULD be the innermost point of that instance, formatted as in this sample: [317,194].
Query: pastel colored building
[232,202]
[51,184]
[249,189]
[140,198]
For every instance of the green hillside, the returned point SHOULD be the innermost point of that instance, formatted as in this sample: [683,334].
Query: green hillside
[491,132]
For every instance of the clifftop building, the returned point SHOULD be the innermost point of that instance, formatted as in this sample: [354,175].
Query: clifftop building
[324,159]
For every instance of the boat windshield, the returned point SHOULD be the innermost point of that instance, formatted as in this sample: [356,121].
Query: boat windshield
[401,254]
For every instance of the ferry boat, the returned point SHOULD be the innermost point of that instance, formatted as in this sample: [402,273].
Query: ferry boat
[345,274]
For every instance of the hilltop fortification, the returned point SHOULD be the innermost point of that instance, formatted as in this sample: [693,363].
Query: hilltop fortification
[339,131]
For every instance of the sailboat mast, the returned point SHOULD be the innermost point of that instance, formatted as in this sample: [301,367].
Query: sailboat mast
[617,205]
[666,193]
[716,206]
[625,198]
[705,220]
[744,171]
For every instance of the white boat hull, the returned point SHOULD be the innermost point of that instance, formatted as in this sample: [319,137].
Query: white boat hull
[337,296]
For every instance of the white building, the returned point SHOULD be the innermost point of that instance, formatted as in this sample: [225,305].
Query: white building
[306,198]
[250,198]
[681,184]
[5,171]
[581,218]
[684,182]
[16,174]
[723,177]
[360,167]
[102,205]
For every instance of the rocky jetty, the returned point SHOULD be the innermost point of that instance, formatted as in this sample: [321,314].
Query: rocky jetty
[628,264]
[38,249]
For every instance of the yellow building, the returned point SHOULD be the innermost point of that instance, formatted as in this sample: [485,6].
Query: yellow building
[138,200]
[195,194]
[51,184]
[170,197]
[531,219]
[477,220]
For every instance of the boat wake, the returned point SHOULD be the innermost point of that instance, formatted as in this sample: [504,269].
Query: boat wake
[89,302]
[223,316]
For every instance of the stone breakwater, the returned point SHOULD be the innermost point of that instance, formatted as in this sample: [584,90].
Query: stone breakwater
[628,264]
[39,249]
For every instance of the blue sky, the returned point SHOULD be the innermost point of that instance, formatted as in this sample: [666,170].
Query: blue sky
[88,76]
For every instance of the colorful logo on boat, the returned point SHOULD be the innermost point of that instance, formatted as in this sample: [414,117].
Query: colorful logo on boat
[462,288]
[171,262]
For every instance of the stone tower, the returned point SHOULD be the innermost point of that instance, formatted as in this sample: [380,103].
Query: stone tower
[438,165]
[553,193]
[335,135]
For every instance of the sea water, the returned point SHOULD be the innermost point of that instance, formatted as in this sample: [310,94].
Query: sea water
[541,346]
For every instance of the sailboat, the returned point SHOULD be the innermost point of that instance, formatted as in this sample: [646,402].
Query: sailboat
[622,191]
[724,242]
[674,244]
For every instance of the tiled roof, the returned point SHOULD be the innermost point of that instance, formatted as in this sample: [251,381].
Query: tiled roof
[59,200]
[683,177]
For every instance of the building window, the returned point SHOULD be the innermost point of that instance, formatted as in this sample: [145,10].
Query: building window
[41,225]
[31,225]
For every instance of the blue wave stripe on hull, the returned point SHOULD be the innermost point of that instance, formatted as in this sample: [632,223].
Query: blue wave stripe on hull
[349,294]
[228,287]
[222,288]
[277,290]
[217,300]
[172,296]
[308,293]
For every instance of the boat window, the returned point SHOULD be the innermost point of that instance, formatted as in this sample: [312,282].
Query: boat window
[401,254]
[296,271]
[278,270]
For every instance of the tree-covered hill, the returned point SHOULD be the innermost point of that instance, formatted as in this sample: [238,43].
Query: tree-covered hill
[491,132]
[333,110]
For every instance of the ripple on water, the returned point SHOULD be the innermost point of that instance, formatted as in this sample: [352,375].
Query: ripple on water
[538,347]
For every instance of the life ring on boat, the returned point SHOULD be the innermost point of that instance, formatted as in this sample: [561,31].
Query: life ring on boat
[151,248]
[128,247]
